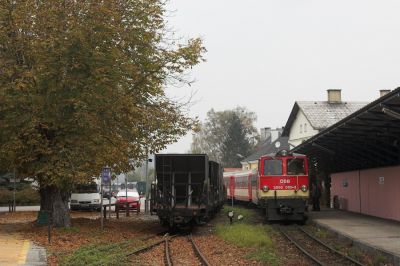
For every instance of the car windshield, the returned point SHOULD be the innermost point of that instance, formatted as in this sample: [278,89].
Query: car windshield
[88,188]
[134,194]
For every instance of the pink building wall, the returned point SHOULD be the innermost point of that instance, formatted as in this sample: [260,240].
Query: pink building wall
[349,197]
[374,192]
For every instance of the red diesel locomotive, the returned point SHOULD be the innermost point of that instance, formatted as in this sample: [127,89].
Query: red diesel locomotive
[280,186]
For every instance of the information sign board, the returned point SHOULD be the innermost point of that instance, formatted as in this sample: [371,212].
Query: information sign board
[106,175]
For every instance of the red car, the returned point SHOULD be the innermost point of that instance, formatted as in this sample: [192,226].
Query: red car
[133,199]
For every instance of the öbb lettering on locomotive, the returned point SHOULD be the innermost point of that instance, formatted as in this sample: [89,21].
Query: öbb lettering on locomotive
[280,186]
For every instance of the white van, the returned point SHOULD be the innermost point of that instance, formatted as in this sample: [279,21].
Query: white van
[88,197]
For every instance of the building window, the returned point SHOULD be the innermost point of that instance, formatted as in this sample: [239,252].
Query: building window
[305,128]
[301,128]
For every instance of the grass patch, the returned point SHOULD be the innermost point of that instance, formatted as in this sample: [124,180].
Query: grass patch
[238,210]
[266,256]
[320,233]
[339,246]
[99,254]
[355,253]
[252,236]
[71,229]
[244,235]
[380,260]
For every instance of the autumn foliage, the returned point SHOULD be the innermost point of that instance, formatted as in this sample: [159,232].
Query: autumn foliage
[82,86]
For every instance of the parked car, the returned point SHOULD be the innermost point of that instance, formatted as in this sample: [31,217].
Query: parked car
[133,198]
[88,197]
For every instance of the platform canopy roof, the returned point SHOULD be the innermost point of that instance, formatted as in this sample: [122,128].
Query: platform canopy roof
[368,138]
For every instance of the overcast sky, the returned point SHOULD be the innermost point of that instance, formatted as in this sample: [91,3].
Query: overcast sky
[266,54]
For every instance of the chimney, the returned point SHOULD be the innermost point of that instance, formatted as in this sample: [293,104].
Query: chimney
[334,96]
[265,133]
[383,92]
[275,134]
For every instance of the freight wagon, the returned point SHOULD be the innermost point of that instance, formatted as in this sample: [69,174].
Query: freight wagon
[188,189]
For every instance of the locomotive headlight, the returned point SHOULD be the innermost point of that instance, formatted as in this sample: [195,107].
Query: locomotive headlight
[304,188]
[265,188]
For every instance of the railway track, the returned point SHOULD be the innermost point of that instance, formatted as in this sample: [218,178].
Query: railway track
[199,255]
[168,254]
[315,249]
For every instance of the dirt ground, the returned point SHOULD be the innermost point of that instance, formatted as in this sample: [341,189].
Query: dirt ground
[85,230]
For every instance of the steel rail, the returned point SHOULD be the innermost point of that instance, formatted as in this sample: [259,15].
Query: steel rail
[329,247]
[168,260]
[200,255]
[143,249]
[301,248]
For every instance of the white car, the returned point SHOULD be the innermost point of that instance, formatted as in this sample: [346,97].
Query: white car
[88,197]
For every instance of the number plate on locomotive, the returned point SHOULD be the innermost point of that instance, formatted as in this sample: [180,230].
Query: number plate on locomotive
[284,183]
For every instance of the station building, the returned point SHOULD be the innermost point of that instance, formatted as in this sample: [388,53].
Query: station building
[308,118]
[361,156]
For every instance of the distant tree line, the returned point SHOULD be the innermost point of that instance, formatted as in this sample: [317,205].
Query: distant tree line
[227,136]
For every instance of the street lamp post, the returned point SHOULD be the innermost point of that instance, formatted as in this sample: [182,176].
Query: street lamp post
[126,196]
[109,201]
[146,202]
[105,178]
[14,205]
[101,203]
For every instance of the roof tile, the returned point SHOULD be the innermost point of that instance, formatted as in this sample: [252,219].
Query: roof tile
[322,114]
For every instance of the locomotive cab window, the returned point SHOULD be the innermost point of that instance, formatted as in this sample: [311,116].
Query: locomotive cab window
[296,166]
[273,167]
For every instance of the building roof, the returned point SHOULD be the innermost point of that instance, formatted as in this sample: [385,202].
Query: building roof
[322,114]
[367,138]
[268,147]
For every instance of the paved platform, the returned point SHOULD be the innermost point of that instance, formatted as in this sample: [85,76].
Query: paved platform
[14,250]
[368,232]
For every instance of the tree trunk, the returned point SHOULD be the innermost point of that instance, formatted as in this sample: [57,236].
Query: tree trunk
[56,201]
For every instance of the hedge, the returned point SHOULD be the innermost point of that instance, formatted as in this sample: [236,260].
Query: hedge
[26,196]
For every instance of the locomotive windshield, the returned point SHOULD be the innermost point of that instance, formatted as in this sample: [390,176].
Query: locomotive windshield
[273,167]
[295,166]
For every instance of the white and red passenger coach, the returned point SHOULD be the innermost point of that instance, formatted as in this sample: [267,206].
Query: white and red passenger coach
[280,186]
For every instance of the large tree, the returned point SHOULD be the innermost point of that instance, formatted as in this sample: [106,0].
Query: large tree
[82,86]
[225,134]
[236,143]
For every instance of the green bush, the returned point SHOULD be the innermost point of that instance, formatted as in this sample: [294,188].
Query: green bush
[5,196]
[26,196]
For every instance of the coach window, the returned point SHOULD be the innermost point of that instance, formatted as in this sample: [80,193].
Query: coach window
[273,167]
[295,167]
